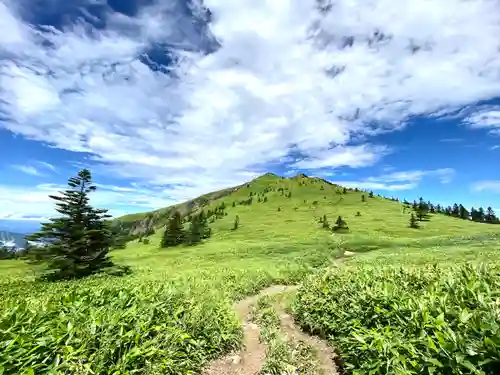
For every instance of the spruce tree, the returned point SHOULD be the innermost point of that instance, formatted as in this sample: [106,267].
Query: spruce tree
[463,213]
[413,222]
[363,198]
[340,224]
[325,223]
[481,215]
[490,216]
[77,243]
[422,210]
[370,194]
[174,232]
[236,222]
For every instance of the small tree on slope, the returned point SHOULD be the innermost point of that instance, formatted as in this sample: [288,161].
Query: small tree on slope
[340,224]
[77,242]
[174,232]
[413,222]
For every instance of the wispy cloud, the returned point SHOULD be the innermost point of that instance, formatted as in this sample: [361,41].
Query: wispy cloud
[285,77]
[492,185]
[350,156]
[367,185]
[400,180]
[46,165]
[486,118]
[28,169]
[32,170]
[495,147]
[19,202]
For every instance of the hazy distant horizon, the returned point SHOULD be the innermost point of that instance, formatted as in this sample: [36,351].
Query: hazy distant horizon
[19,226]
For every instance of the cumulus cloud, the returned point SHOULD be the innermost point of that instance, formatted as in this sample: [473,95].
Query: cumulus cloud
[280,76]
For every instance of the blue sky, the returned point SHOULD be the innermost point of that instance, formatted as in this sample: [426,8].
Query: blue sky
[167,100]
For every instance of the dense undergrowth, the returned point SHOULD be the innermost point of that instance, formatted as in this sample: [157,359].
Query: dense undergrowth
[175,311]
[156,321]
[398,320]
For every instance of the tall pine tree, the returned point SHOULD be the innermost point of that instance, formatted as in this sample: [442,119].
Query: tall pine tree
[77,242]
[174,232]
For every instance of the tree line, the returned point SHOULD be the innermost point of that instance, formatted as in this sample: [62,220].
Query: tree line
[458,211]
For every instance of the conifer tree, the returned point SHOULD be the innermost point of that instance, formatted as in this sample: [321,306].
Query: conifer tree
[481,214]
[463,213]
[236,222]
[370,194]
[265,199]
[77,243]
[490,216]
[363,198]
[174,232]
[413,222]
[195,231]
[340,224]
[325,223]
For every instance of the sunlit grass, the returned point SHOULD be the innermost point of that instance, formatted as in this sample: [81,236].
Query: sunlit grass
[174,312]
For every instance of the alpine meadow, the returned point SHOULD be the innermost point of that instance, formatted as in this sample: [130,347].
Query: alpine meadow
[250,187]
[330,280]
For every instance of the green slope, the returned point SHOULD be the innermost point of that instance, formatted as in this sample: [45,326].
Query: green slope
[174,312]
[281,219]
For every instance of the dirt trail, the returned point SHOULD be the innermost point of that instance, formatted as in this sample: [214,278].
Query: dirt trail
[250,359]
[325,353]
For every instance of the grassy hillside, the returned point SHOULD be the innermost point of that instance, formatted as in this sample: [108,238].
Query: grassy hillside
[296,218]
[173,313]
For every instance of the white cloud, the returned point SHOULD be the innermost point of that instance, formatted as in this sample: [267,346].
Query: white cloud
[445,175]
[495,147]
[218,119]
[486,118]
[401,180]
[28,169]
[46,166]
[366,185]
[353,156]
[17,201]
[493,186]
[32,170]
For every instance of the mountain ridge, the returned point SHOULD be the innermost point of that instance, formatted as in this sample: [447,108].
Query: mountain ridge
[313,198]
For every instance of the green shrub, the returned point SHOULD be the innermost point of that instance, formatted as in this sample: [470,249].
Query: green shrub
[115,329]
[407,321]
